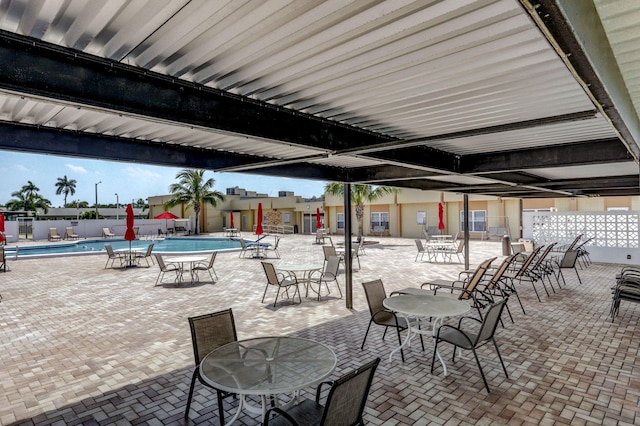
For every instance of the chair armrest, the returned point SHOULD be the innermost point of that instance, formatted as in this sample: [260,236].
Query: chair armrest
[319,389]
[450,287]
[467,317]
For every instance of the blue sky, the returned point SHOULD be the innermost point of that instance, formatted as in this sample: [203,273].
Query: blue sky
[128,180]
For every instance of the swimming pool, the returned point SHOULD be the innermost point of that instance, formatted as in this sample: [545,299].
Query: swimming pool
[167,245]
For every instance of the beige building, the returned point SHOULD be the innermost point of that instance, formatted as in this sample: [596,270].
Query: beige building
[406,213]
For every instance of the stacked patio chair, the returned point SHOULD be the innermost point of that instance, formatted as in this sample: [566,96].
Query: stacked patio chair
[508,282]
[583,253]
[627,288]
[491,287]
[540,269]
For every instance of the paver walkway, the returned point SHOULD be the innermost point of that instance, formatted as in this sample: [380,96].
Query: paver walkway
[85,345]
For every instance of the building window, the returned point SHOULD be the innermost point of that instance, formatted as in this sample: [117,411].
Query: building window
[380,219]
[477,220]
[421,218]
[286,218]
[340,220]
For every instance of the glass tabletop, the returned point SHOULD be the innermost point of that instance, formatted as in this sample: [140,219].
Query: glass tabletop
[268,365]
[426,305]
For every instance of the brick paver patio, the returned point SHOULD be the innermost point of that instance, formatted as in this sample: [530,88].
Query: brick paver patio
[85,345]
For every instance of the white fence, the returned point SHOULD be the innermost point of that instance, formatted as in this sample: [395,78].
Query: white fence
[615,236]
[89,228]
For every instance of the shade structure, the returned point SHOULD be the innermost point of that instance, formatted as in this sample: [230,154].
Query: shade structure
[231,220]
[1,227]
[259,230]
[129,234]
[318,222]
[166,215]
[440,216]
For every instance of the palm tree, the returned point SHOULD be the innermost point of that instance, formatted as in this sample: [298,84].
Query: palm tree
[66,187]
[193,191]
[28,199]
[360,194]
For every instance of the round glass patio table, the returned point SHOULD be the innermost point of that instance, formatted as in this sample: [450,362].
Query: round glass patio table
[415,303]
[267,366]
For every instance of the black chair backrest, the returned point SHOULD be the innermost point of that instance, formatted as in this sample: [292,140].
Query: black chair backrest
[527,262]
[374,290]
[270,272]
[569,259]
[329,251]
[504,267]
[348,396]
[490,322]
[210,331]
[333,264]
[544,254]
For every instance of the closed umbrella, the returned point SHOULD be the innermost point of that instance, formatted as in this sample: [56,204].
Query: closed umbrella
[318,223]
[231,220]
[440,216]
[259,227]
[1,227]
[129,234]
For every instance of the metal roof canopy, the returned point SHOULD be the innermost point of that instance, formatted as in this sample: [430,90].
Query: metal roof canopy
[479,97]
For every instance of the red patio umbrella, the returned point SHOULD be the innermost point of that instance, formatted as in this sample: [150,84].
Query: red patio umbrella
[129,234]
[259,230]
[231,220]
[318,223]
[440,216]
[1,227]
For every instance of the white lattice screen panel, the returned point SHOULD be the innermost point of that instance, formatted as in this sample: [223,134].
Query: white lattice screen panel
[608,229]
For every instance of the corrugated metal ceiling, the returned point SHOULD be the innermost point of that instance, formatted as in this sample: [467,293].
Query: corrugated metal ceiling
[411,70]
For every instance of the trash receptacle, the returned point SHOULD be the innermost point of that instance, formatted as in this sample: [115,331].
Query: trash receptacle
[506,245]
[295,228]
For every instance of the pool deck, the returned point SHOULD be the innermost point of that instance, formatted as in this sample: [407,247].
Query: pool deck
[86,345]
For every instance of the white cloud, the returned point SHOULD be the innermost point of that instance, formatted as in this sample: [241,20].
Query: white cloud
[21,168]
[139,173]
[77,169]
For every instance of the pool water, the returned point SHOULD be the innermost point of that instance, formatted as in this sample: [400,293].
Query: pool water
[167,245]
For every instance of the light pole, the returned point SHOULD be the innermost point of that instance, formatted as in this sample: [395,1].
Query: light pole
[117,206]
[97,183]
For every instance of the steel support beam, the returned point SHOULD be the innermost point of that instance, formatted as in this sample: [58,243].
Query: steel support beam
[34,139]
[574,28]
[49,71]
